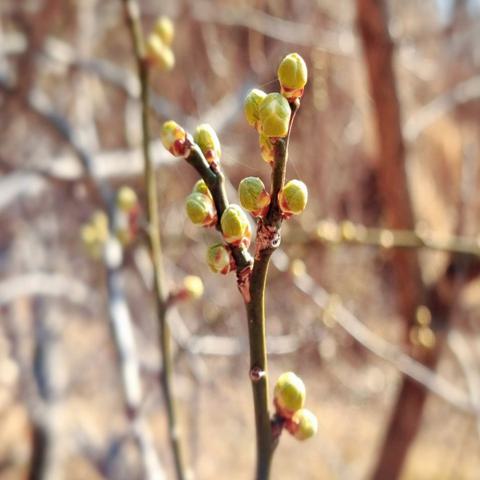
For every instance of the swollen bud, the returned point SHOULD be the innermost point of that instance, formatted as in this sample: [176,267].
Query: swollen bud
[293,76]
[200,209]
[253,196]
[219,259]
[165,30]
[159,54]
[303,425]
[267,149]
[251,106]
[206,138]
[274,114]
[175,139]
[289,394]
[192,287]
[235,226]
[201,187]
[293,198]
[126,199]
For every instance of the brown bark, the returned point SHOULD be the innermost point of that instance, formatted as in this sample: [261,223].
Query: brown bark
[410,292]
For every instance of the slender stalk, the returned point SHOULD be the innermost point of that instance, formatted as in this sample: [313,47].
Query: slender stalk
[153,234]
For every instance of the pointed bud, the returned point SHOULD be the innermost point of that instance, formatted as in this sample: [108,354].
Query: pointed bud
[267,149]
[293,198]
[175,139]
[251,106]
[165,30]
[206,138]
[253,196]
[192,287]
[158,54]
[303,425]
[289,394]
[219,259]
[200,209]
[293,76]
[126,199]
[274,115]
[201,187]
[235,226]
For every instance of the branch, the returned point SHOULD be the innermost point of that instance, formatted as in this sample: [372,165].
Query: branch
[132,15]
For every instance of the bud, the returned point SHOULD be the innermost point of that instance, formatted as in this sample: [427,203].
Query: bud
[267,149]
[289,394]
[292,75]
[219,259]
[293,198]
[201,187]
[303,424]
[100,224]
[158,53]
[122,227]
[175,139]
[90,240]
[126,199]
[192,287]
[206,138]
[253,196]
[200,209]
[235,226]
[165,30]
[251,106]
[274,114]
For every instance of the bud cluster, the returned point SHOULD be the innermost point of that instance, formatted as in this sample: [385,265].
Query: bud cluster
[125,221]
[289,399]
[157,48]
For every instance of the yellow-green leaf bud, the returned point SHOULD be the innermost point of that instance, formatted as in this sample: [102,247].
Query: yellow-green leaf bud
[175,139]
[100,223]
[253,196]
[293,76]
[200,209]
[293,198]
[126,199]
[303,425]
[206,138]
[235,226]
[251,106]
[289,394]
[219,259]
[165,29]
[267,149]
[159,54]
[201,187]
[192,287]
[274,115]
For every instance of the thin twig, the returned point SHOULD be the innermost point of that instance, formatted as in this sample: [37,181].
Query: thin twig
[153,233]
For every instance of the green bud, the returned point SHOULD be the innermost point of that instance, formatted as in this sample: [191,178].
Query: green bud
[251,106]
[206,138]
[253,196]
[303,425]
[289,394]
[267,149]
[235,226]
[274,115]
[159,54]
[165,30]
[201,187]
[219,259]
[293,76]
[192,287]
[126,199]
[200,209]
[293,198]
[175,139]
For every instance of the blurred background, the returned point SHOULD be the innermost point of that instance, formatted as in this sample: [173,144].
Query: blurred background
[387,138]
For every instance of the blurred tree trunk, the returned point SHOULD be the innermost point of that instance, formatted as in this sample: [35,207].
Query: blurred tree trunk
[410,292]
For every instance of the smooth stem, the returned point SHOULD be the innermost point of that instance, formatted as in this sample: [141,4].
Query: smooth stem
[153,234]
[258,362]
